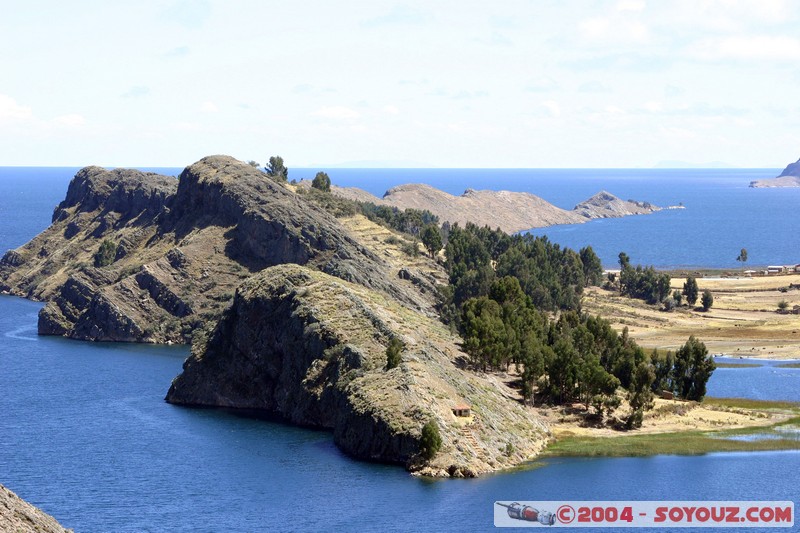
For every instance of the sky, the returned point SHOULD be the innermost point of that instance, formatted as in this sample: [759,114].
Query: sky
[506,84]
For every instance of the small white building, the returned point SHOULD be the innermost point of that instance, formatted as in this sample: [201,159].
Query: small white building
[776,269]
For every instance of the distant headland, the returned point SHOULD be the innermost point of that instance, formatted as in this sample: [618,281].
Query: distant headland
[507,210]
[790,177]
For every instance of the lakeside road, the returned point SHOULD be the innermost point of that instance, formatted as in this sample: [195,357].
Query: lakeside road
[743,322]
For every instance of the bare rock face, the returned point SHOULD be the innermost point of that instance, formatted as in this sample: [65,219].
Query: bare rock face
[790,177]
[311,348]
[606,205]
[19,516]
[181,249]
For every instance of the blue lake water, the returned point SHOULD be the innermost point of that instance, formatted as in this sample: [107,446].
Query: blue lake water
[86,435]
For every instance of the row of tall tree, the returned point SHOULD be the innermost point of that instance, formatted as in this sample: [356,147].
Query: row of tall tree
[644,283]
[576,357]
[551,276]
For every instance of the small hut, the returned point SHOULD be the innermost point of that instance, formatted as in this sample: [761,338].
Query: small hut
[462,409]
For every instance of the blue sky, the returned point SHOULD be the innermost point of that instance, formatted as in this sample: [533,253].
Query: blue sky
[626,83]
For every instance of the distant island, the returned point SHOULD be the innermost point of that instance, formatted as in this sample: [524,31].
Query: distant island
[507,210]
[790,177]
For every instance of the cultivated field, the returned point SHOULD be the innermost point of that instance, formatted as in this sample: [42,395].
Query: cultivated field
[743,322]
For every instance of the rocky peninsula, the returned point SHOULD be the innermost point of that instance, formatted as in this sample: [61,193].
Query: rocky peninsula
[507,210]
[289,311]
[790,177]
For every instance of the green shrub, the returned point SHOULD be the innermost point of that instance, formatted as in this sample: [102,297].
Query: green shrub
[431,441]
[393,352]
[105,254]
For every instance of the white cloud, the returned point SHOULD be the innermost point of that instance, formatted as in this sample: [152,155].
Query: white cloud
[754,47]
[593,86]
[614,29]
[208,107]
[552,107]
[336,112]
[654,107]
[542,85]
[391,110]
[72,120]
[673,132]
[10,110]
[631,5]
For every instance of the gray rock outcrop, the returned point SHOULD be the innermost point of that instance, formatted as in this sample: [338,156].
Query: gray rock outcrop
[606,205]
[181,248]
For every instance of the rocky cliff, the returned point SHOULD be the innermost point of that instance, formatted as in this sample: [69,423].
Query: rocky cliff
[18,516]
[790,177]
[509,211]
[179,250]
[312,348]
[606,205]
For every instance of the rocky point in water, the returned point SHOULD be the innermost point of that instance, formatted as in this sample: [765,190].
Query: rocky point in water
[790,177]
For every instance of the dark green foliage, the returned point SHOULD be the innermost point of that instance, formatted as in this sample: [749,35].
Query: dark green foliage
[411,249]
[592,267]
[253,164]
[742,256]
[553,277]
[321,182]
[690,290]
[408,221]
[692,370]
[105,254]
[640,395]
[642,283]
[335,205]
[707,300]
[501,289]
[624,261]
[678,297]
[431,441]
[276,169]
[432,239]
[577,358]
[484,333]
[393,352]
[663,366]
